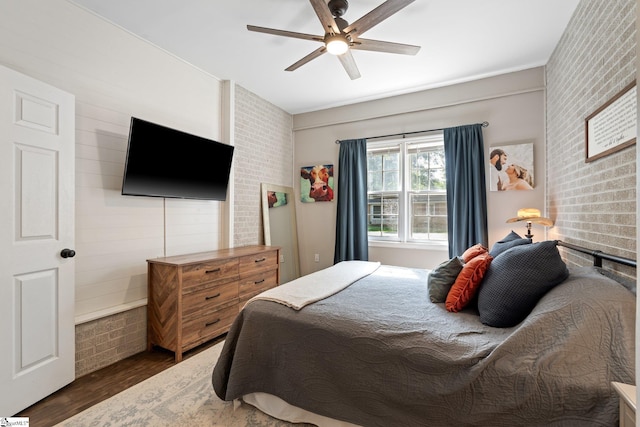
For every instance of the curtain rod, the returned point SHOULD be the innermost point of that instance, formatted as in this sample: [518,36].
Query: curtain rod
[484,125]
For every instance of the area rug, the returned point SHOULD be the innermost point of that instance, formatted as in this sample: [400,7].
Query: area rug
[179,396]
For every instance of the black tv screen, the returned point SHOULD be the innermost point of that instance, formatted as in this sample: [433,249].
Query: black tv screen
[165,162]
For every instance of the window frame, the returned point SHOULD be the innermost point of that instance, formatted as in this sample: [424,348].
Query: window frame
[404,145]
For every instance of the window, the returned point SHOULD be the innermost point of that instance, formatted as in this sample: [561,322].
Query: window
[406,190]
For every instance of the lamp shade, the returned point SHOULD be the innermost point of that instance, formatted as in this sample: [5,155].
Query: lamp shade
[531,215]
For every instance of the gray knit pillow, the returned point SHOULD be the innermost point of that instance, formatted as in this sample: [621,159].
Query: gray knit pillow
[442,278]
[516,280]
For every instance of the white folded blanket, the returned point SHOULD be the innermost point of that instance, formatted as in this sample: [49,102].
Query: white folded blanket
[319,285]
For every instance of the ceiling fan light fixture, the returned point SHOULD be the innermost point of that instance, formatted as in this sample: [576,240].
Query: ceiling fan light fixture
[336,45]
[340,36]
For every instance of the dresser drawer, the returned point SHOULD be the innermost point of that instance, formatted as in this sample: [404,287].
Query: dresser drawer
[209,298]
[194,275]
[203,327]
[253,285]
[250,264]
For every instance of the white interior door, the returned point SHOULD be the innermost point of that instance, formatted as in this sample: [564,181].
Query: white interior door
[37,331]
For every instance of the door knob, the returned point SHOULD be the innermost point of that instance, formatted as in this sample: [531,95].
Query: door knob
[67,253]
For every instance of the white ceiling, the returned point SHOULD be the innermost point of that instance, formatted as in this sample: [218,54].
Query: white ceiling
[461,40]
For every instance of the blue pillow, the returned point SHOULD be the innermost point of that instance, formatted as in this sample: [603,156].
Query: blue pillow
[516,280]
[509,241]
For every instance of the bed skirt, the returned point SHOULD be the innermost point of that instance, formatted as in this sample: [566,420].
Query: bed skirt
[278,408]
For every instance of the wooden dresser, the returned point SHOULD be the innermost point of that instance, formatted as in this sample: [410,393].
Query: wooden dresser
[194,298]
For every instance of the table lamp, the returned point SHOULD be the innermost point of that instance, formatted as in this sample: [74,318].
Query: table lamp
[531,215]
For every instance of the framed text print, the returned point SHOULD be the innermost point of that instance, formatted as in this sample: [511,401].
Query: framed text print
[612,127]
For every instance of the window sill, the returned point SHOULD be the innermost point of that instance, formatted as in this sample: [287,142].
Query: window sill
[431,246]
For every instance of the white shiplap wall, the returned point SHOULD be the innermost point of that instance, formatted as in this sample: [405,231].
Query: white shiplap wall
[114,233]
[115,75]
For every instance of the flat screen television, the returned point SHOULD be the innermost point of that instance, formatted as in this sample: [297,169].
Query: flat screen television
[165,162]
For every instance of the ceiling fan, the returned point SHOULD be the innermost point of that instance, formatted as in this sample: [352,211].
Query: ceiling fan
[340,36]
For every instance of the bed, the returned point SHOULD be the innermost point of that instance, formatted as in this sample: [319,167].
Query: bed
[379,352]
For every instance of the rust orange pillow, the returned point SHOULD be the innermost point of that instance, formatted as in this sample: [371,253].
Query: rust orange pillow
[473,252]
[467,283]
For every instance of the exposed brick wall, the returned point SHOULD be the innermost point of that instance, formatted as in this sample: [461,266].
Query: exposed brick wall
[263,153]
[593,204]
[101,342]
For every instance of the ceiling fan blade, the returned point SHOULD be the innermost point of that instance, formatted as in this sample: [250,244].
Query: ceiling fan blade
[312,55]
[349,65]
[285,33]
[325,16]
[376,16]
[381,46]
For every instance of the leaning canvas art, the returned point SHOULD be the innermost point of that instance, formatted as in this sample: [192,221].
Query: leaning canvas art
[511,167]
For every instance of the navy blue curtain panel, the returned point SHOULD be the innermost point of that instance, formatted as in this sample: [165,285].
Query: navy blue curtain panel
[466,189]
[351,221]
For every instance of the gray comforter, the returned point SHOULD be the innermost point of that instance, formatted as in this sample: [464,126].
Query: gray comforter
[379,353]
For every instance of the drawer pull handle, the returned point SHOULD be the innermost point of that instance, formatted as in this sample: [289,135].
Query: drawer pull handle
[211,323]
[215,270]
[212,296]
[258,282]
[261,259]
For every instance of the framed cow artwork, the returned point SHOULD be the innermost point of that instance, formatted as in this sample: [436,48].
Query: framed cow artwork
[316,183]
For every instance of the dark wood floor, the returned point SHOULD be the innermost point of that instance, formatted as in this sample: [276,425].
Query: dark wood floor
[97,386]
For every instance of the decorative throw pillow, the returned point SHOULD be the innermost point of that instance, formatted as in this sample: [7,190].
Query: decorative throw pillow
[516,280]
[510,240]
[467,282]
[442,277]
[473,252]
